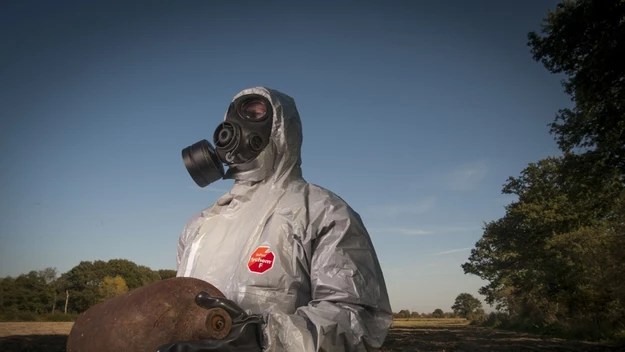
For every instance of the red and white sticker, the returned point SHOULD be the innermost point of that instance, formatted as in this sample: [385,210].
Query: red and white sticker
[261,260]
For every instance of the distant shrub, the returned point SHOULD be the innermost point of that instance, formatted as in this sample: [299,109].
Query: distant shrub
[496,319]
[478,317]
[8,313]
[619,337]
[11,314]
[26,316]
[59,317]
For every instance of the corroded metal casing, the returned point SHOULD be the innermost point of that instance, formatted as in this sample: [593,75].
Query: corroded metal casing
[145,318]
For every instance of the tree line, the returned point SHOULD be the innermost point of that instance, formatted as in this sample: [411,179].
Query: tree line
[556,260]
[44,294]
[465,306]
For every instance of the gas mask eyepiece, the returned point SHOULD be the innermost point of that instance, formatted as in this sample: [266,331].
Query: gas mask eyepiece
[202,163]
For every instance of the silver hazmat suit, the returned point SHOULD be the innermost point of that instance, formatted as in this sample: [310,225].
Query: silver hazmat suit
[291,251]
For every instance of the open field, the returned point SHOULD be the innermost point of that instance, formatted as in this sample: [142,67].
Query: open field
[34,337]
[403,323]
[458,336]
[406,335]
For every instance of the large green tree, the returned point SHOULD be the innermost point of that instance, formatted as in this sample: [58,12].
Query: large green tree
[28,293]
[556,255]
[557,252]
[79,288]
[134,275]
[166,274]
[84,281]
[583,39]
[465,304]
[438,313]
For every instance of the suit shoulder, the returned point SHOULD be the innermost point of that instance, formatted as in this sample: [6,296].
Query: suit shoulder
[326,201]
[194,222]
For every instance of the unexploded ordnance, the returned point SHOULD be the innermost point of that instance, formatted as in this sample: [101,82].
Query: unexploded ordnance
[145,318]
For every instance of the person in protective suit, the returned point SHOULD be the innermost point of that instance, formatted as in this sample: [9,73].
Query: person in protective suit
[294,259]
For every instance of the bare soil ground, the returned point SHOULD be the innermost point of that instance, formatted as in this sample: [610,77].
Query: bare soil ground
[34,337]
[456,335]
[410,336]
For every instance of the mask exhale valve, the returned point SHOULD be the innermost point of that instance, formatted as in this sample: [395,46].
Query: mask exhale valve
[226,137]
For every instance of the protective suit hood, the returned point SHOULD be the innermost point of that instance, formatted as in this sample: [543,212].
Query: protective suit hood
[281,159]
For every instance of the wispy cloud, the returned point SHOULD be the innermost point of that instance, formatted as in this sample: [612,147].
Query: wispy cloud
[452,251]
[405,231]
[466,177]
[412,208]
[454,229]
[432,265]
[463,177]
[421,231]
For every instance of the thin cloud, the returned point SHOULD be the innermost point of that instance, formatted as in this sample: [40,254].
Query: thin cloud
[421,231]
[452,251]
[405,231]
[463,177]
[454,229]
[412,208]
[466,177]
[432,265]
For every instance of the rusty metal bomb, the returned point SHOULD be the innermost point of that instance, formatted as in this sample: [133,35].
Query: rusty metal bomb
[145,318]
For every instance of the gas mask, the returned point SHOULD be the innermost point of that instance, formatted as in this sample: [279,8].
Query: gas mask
[242,136]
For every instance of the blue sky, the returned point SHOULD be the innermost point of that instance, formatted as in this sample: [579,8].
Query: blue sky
[414,113]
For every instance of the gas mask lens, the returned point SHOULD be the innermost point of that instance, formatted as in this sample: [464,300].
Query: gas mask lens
[254,109]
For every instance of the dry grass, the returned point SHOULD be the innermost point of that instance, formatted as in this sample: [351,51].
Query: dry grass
[34,336]
[429,322]
[35,328]
[456,335]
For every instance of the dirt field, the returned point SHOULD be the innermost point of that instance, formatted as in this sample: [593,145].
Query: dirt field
[456,335]
[410,336]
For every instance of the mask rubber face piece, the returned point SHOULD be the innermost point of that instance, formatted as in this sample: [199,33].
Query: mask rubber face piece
[202,163]
[246,130]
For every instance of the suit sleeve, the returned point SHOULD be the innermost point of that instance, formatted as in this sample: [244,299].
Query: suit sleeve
[350,308]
